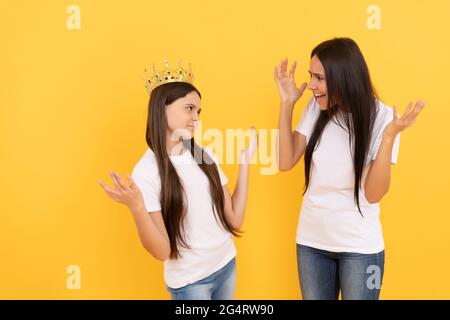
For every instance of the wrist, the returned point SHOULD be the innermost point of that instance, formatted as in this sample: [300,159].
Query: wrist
[389,137]
[137,209]
[289,105]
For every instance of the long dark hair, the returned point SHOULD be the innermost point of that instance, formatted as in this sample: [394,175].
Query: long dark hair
[173,206]
[350,90]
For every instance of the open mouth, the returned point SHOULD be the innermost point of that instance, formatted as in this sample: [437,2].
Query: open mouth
[319,95]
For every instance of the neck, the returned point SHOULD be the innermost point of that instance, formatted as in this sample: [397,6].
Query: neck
[174,147]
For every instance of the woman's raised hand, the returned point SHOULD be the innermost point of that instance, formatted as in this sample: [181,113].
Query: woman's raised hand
[130,195]
[408,118]
[289,93]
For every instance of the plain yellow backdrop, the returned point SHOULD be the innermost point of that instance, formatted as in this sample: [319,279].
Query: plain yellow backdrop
[73,106]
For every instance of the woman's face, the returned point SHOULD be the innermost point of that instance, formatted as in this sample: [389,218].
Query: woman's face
[183,115]
[317,83]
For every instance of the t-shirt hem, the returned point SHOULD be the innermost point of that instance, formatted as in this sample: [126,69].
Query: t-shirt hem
[367,250]
[177,285]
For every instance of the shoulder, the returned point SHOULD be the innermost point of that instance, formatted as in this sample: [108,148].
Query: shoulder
[147,167]
[384,112]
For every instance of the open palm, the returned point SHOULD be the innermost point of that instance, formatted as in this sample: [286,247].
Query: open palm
[289,93]
[408,118]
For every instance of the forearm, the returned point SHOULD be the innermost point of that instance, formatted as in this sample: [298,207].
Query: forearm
[285,137]
[379,176]
[151,237]
[240,194]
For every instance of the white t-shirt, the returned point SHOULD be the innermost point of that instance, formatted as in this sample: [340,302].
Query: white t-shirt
[329,218]
[212,247]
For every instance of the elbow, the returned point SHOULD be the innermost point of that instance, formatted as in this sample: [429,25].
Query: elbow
[161,255]
[284,167]
[235,223]
[374,198]
[375,192]
[237,226]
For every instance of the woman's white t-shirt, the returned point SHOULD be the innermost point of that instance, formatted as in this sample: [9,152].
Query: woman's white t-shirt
[211,246]
[329,218]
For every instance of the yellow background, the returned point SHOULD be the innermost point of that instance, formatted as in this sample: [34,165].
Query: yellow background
[73,106]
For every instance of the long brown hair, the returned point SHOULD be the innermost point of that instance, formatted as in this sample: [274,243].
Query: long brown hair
[350,90]
[172,196]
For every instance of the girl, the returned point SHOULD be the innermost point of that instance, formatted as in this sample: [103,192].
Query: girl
[178,197]
[349,139]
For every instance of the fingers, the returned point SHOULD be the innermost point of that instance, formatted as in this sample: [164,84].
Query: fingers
[253,138]
[108,190]
[284,68]
[409,117]
[120,181]
[292,70]
[130,179]
[410,112]
[114,180]
[302,88]
[277,74]
[247,153]
[278,70]
[281,69]
[419,106]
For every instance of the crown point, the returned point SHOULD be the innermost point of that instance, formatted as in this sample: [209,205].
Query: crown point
[168,75]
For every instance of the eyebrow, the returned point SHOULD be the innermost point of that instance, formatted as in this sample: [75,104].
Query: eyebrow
[193,105]
[316,74]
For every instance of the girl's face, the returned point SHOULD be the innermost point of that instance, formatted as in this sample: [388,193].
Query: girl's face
[317,83]
[183,115]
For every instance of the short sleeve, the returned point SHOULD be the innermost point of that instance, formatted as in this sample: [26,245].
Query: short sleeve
[223,177]
[387,117]
[150,189]
[308,119]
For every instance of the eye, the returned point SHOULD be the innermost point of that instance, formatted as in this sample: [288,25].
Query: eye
[199,110]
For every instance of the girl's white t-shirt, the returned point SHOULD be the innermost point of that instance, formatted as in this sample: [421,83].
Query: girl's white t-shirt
[211,246]
[329,218]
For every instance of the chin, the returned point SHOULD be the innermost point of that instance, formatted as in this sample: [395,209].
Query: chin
[187,136]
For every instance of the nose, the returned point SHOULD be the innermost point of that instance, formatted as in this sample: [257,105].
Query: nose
[311,85]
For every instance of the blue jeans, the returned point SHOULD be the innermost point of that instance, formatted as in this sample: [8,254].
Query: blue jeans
[322,274]
[218,286]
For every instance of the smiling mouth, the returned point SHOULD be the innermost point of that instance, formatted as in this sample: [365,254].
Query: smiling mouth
[320,95]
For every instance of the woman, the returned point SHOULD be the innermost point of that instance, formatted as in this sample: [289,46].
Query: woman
[349,139]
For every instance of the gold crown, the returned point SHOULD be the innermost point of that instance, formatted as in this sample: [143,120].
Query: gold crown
[167,75]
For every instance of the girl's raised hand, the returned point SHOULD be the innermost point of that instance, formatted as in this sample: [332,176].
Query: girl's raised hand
[289,93]
[130,195]
[247,154]
[408,118]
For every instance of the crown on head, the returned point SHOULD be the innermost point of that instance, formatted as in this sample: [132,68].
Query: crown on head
[167,75]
